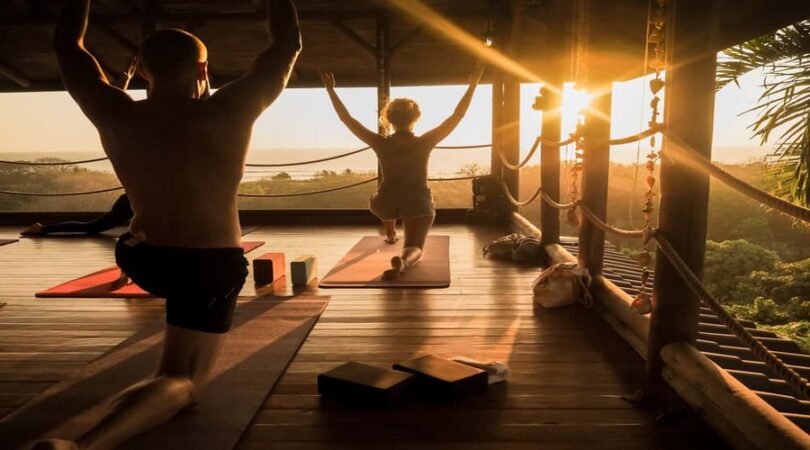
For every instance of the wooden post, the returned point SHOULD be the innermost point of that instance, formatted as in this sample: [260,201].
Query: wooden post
[496,167]
[596,164]
[510,137]
[550,161]
[689,115]
[383,67]
[383,76]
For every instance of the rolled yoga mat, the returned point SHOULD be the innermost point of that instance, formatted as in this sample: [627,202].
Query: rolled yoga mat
[99,284]
[266,335]
[365,263]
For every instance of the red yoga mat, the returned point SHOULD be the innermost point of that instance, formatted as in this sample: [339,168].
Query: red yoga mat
[99,284]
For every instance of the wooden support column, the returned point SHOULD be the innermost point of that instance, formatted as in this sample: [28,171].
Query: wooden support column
[510,136]
[383,66]
[496,167]
[383,74]
[507,24]
[550,160]
[689,115]
[596,164]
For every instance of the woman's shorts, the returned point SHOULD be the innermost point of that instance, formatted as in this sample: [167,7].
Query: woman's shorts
[389,206]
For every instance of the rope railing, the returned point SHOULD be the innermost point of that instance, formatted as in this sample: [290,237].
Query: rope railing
[654,129]
[291,194]
[511,198]
[53,163]
[799,384]
[292,164]
[682,153]
[60,194]
[523,163]
[313,161]
[302,194]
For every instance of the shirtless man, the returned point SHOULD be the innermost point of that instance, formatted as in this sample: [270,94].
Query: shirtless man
[180,159]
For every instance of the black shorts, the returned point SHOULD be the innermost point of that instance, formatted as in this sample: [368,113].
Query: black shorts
[200,285]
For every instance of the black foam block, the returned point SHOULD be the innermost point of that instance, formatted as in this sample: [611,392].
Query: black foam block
[360,383]
[440,377]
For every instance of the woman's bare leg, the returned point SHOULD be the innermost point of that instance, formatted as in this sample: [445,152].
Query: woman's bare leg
[416,232]
[188,358]
[390,230]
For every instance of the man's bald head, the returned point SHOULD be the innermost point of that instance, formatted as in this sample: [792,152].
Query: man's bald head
[171,55]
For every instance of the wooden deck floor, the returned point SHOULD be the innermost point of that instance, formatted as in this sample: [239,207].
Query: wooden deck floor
[569,368]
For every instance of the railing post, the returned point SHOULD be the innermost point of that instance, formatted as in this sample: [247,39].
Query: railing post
[550,161]
[595,168]
[689,113]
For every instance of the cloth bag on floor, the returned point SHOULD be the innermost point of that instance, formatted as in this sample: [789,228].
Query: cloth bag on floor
[561,285]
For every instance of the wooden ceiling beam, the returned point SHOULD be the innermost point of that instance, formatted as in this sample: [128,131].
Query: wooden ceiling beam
[15,75]
[354,38]
[257,16]
[403,41]
[122,40]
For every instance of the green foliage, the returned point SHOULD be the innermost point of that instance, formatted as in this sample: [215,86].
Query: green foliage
[755,285]
[281,176]
[729,263]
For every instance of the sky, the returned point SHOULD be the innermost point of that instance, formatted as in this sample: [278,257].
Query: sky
[303,118]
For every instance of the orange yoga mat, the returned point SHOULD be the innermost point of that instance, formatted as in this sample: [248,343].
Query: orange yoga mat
[98,284]
[365,263]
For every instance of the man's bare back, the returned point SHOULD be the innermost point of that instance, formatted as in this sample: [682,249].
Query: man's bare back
[179,153]
[181,161]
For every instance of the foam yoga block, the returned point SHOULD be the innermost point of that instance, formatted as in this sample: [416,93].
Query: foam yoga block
[364,384]
[303,269]
[443,378]
[268,268]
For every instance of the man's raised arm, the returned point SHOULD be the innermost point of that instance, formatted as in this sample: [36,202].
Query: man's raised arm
[83,77]
[271,71]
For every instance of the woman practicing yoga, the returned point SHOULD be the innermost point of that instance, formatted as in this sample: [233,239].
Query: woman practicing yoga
[403,192]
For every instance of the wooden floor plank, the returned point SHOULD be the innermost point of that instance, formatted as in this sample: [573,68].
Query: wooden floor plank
[569,369]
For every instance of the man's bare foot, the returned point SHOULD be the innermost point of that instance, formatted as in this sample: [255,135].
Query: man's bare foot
[392,239]
[32,230]
[55,444]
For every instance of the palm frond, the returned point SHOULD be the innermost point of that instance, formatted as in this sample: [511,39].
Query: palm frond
[784,106]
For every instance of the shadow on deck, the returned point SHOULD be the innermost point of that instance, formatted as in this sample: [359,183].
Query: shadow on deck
[569,369]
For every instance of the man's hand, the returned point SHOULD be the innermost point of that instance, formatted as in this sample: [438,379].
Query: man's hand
[328,79]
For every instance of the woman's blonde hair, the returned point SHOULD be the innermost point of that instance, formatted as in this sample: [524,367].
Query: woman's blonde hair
[400,113]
